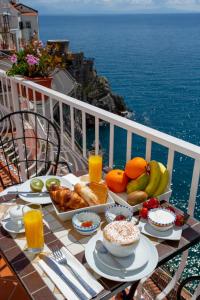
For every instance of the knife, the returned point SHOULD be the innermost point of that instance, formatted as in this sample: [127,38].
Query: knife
[50,262]
[27,193]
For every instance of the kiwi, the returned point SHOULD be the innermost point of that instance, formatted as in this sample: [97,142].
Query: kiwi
[52,181]
[137,197]
[36,185]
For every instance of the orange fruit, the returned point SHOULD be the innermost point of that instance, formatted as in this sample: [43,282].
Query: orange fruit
[116,181]
[135,167]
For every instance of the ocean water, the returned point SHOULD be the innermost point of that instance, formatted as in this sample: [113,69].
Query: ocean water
[153,61]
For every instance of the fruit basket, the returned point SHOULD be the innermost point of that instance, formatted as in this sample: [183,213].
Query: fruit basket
[121,198]
[139,181]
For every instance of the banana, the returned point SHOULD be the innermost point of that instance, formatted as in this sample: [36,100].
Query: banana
[154,179]
[164,180]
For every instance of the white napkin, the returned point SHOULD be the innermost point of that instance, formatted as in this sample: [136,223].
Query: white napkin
[82,271]
[72,178]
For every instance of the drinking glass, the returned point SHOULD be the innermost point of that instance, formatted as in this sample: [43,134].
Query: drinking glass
[32,215]
[95,166]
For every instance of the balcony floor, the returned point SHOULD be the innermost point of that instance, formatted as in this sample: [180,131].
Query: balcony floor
[10,287]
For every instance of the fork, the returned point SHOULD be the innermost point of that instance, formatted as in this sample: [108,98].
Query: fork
[62,260]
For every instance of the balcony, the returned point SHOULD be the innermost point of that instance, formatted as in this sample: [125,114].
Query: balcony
[71,117]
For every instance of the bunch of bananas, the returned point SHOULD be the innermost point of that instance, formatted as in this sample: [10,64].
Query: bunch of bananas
[158,179]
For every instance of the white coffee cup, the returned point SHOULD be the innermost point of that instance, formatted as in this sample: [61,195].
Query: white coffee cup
[16,215]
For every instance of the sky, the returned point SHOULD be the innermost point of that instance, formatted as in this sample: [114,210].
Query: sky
[113,6]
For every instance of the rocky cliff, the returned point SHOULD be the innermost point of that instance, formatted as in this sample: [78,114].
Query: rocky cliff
[98,93]
[93,88]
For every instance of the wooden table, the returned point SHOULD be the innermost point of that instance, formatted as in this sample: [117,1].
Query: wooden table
[37,283]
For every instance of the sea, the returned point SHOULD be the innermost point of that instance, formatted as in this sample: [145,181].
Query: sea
[153,61]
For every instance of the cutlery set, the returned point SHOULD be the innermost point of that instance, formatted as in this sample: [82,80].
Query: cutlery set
[60,259]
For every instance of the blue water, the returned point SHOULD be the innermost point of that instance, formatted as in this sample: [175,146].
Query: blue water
[154,62]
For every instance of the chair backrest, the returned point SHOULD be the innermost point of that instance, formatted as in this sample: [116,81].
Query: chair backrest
[189,280]
[29,147]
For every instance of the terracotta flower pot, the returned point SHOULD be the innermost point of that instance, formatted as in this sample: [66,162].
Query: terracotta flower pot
[44,81]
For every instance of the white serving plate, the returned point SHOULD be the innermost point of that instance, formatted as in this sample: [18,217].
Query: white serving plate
[40,199]
[148,250]
[67,215]
[121,198]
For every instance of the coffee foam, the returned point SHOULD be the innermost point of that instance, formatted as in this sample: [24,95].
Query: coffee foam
[121,232]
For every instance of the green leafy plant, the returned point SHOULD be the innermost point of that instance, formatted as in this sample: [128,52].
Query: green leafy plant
[33,60]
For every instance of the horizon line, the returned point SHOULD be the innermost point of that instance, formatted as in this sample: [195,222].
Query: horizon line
[119,13]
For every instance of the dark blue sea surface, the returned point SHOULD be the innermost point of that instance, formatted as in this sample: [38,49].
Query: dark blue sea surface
[154,62]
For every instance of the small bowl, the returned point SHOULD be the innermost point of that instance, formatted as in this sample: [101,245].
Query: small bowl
[155,219]
[115,210]
[84,216]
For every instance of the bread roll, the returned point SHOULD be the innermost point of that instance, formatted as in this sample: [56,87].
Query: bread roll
[86,193]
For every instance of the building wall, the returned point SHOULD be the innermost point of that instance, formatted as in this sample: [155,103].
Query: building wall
[32,22]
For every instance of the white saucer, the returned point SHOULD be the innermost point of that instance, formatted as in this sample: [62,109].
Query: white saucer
[11,227]
[173,233]
[147,250]
[130,263]
[40,199]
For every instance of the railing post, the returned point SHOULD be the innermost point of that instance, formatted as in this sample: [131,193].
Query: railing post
[170,164]
[43,105]
[111,146]
[34,101]
[148,150]
[7,93]
[194,187]
[128,145]
[3,92]
[15,96]
[96,135]
[61,123]
[72,127]
[84,142]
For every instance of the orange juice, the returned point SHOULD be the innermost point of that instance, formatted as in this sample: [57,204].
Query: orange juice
[34,229]
[95,168]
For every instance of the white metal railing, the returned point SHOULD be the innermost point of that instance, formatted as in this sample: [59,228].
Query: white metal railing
[15,100]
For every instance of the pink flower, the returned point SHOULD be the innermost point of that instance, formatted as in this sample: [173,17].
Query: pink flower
[32,60]
[13,59]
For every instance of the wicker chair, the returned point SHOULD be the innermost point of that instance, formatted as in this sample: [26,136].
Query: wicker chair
[29,147]
[186,281]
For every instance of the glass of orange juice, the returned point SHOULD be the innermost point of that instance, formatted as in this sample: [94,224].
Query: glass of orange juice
[95,162]
[32,216]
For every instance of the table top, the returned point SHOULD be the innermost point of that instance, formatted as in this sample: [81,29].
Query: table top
[58,233]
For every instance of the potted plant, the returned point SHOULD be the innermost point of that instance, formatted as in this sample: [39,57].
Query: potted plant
[34,63]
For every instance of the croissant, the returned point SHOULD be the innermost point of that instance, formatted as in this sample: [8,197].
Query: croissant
[75,202]
[61,195]
[65,199]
